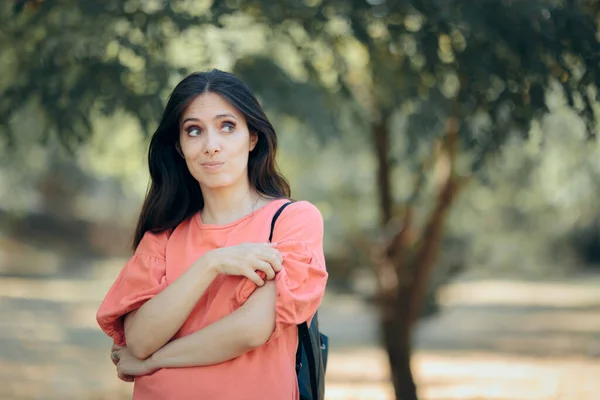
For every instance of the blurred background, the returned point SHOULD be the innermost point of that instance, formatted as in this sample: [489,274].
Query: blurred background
[451,146]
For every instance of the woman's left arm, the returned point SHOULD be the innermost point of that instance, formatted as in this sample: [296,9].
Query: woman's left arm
[245,329]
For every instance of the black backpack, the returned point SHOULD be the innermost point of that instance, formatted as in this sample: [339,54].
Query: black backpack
[311,356]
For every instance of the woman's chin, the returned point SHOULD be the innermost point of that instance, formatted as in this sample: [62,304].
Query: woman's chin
[215,184]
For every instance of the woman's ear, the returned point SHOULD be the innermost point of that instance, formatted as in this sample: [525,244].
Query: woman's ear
[253,140]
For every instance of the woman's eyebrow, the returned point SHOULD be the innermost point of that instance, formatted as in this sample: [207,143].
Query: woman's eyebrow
[220,116]
[189,119]
[226,115]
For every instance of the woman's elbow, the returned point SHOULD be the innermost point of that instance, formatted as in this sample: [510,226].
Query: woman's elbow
[140,353]
[139,349]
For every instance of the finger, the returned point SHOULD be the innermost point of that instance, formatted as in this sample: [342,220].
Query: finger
[125,377]
[277,263]
[269,247]
[253,276]
[275,259]
[274,262]
[114,356]
[266,268]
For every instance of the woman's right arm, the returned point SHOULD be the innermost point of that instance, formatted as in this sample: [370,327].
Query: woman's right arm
[164,314]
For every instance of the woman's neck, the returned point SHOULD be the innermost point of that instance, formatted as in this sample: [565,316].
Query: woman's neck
[222,206]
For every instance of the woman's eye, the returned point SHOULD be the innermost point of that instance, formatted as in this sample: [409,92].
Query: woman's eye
[228,127]
[193,131]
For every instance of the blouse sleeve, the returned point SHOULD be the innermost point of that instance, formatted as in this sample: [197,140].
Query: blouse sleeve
[142,278]
[300,285]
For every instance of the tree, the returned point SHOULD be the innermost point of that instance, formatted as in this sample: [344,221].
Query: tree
[482,70]
[468,75]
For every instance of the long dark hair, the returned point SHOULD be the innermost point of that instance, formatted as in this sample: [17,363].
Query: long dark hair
[174,195]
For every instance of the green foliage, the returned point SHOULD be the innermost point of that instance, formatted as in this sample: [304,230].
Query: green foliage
[285,96]
[85,72]
[434,58]
[457,57]
[65,60]
[529,216]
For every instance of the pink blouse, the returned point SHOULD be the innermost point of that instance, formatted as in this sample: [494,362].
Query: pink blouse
[267,372]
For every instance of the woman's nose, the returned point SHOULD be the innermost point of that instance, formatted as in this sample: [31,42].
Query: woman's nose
[213,144]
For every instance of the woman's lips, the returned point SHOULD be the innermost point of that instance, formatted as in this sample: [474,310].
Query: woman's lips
[212,165]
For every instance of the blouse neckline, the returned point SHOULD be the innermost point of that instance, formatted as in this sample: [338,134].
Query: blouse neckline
[203,226]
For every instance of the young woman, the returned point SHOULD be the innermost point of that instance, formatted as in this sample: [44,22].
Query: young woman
[207,307]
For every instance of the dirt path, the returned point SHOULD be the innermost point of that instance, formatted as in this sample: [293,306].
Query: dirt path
[493,340]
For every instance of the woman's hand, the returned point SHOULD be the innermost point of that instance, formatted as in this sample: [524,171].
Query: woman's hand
[114,357]
[129,366]
[246,259]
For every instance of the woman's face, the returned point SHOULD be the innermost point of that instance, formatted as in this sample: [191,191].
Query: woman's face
[215,142]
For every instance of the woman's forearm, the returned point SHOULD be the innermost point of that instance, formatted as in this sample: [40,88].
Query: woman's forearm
[156,321]
[248,327]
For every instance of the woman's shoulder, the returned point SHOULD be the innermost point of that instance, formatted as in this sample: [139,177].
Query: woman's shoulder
[153,244]
[300,219]
[302,209]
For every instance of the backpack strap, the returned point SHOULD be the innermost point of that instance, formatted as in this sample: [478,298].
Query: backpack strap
[277,214]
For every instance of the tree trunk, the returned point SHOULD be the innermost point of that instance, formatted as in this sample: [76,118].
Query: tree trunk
[381,140]
[395,292]
[406,266]
[394,295]
[397,339]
